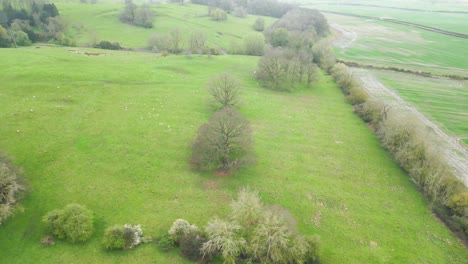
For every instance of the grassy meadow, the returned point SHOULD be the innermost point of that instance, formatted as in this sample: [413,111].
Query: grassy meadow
[101,20]
[113,132]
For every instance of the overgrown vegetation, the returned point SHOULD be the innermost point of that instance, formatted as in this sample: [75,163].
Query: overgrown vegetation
[122,237]
[253,233]
[413,148]
[289,59]
[11,187]
[23,23]
[141,16]
[271,8]
[73,223]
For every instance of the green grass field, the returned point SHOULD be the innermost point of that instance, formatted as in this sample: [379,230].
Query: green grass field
[382,44]
[113,132]
[444,100]
[447,21]
[102,20]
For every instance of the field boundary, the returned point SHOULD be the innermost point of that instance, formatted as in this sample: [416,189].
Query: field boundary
[402,8]
[455,153]
[396,69]
[409,24]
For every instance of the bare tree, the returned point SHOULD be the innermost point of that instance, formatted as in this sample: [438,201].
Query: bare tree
[175,41]
[225,89]
[225,142]
[197,41]
[273,69]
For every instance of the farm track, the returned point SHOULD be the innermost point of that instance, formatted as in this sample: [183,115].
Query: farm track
[395,21]
[453,151]
[451,148]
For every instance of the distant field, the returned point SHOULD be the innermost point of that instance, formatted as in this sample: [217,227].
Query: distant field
[429,5]
[444,101]
[102,19]
[447,21]
[382,44]
[113,132]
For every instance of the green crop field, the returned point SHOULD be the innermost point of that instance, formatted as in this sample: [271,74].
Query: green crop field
[102,20]
[456,22]
[113,132]
[383,44]
[443,100]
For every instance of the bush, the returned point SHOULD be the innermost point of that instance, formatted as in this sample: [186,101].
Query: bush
[259,24]
[11,187]
[254,45]
[73,223]
[225,90]
[180,228]
[122,237]
[190,246]
[218,14]
[166,242]
[459,203]
[22,39]
[104,44]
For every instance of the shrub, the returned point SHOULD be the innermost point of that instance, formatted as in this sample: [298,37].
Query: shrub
[459,203]
[191,244]
[218,14]
[104,44]
[180,228]
[259,24]
[22,39]
[166,242]
[122,237]
[254,45]
[73,223]
[225,238]
[11,187]
[357,95]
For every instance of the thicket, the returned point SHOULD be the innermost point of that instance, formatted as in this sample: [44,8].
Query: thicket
[136,15]
[252,233]
[273,8]
[413,147]
[289,58]
[11,187]
[73,223]
[122,236]
[22,23]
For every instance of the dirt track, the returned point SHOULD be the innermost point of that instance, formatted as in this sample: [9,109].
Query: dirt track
[449,146]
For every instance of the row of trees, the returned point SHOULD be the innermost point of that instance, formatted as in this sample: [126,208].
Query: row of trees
[141,16]
[273,8]
[20,25]
[252,233]
[225,142]
[411,145]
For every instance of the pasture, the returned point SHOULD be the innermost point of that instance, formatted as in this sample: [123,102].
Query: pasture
[101,21]
[113,132]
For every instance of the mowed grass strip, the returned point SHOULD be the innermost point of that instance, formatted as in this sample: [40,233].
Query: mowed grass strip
[102,20]
[113,132]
